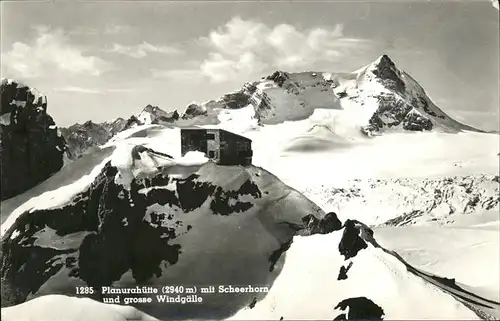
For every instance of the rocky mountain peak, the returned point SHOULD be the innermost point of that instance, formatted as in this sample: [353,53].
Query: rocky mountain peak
[279,77]
[193,110]
[388,74]
[151,109]
[155,115]
[385,60]
[89,124]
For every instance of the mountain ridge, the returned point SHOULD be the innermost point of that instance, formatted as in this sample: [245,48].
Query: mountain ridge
[381,97]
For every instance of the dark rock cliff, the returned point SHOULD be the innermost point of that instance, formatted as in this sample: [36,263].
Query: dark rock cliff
[31,147]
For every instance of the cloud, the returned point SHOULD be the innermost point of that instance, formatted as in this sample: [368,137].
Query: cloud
[81,90]
[84,31]
[92,91]
[48,53]
[218,68]
[142,50]
[117,29]
[110,29]
[176,74]
[242,47]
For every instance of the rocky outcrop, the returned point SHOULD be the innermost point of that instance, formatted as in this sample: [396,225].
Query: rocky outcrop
[240,98]
[279,77]
[359,308]
[286,96]
[194,110]
[415,121]
[236,100]
[325,225]
[132,121]
[173,116]
[31,147]
[399,105]
[394,112]
[389,75]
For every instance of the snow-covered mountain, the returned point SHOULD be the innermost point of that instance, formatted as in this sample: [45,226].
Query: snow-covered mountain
[331,153]
[378,97]
[374,99]
[81,138]
[84,138]
[31,146]
[155,115]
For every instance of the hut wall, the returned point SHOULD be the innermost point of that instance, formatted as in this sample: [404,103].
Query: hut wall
[234,149]
[193,140]
[223,147]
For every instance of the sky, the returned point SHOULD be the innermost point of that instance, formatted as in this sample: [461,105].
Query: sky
[101,60]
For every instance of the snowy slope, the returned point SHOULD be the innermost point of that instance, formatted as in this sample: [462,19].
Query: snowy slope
[64,308]
[408,201]
[419,156]
[467,249]
[67,175]
[401,155]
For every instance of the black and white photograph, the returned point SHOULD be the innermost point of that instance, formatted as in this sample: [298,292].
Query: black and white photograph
[250,160]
